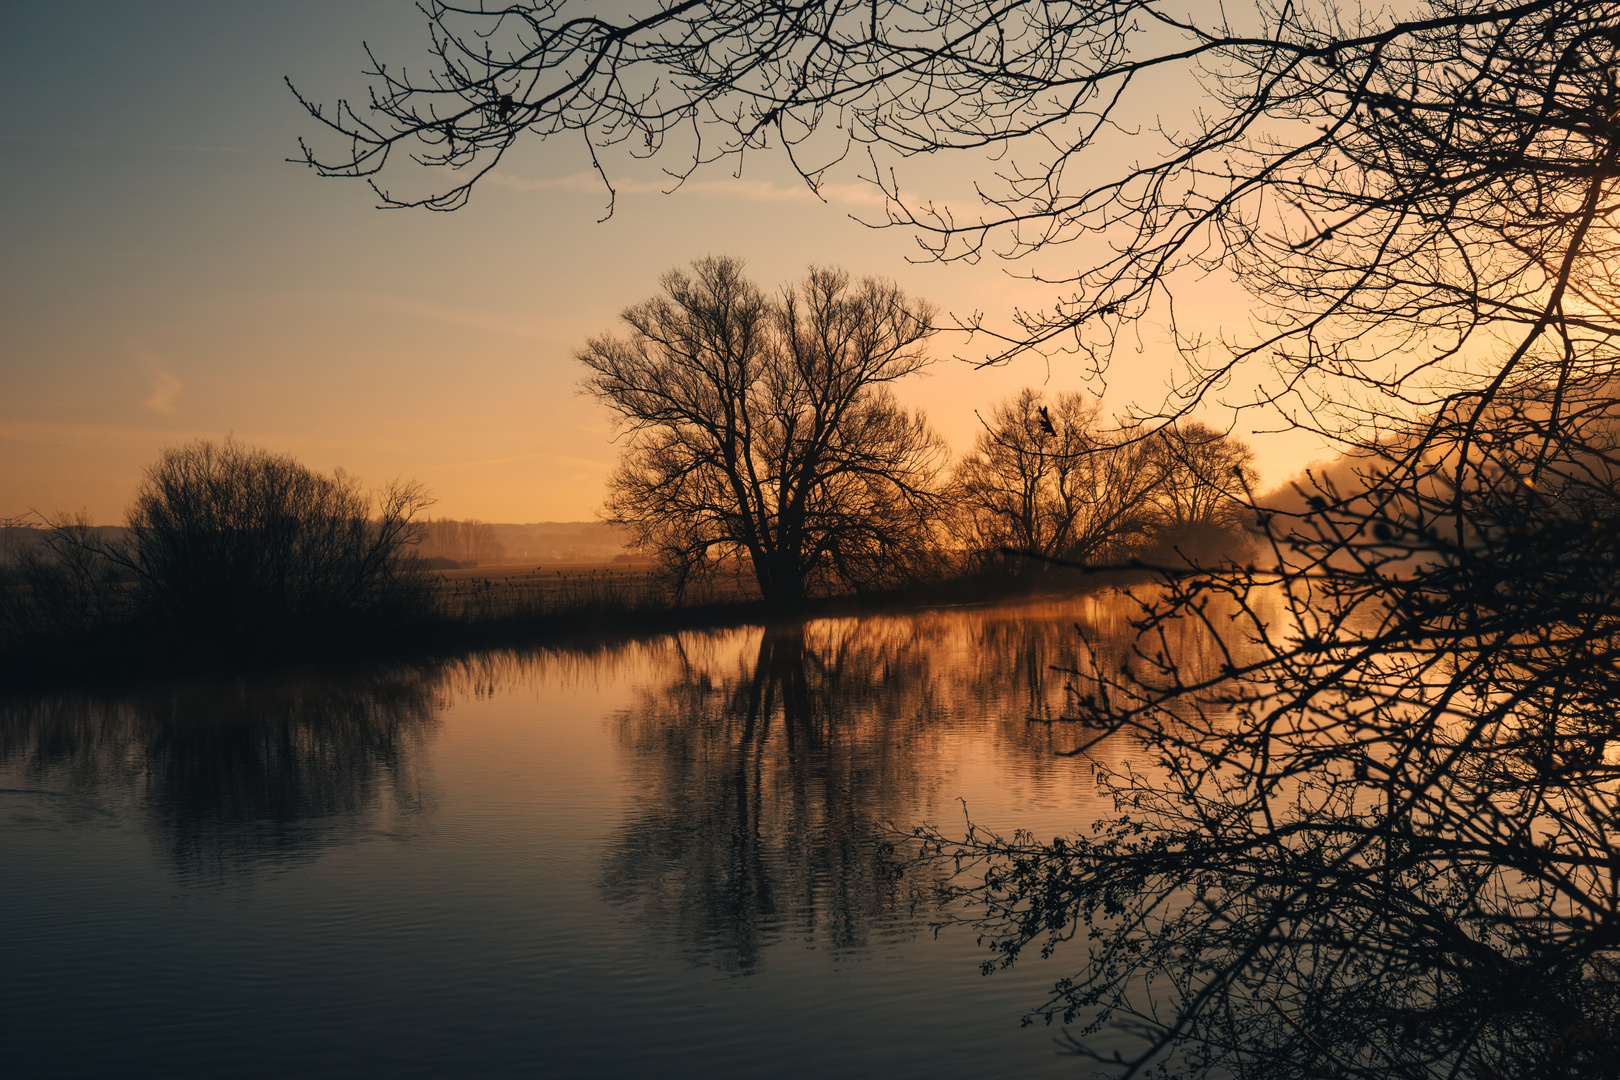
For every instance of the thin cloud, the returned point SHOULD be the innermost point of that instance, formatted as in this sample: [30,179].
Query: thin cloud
[166,391]
[472,318]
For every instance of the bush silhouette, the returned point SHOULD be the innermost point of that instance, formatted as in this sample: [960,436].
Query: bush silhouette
[231,543]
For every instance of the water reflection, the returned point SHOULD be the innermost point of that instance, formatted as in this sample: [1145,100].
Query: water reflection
[1387,857]
[590,835]
[231,777]
[765,789]
[770,767]
[766,767]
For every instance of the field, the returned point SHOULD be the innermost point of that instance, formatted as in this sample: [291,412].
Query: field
[526,590]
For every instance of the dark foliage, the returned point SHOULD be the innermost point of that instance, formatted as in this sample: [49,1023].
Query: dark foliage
[235,543]
[230,554]
[1055,482]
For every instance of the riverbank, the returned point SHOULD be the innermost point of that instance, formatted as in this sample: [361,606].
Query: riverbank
[582,604]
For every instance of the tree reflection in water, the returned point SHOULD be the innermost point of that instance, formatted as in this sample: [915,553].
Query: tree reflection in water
[765,791]
[1383,845]
[769,778]
[230,778]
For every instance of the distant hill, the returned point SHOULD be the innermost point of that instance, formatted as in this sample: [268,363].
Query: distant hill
[537,542]
[559,541]
[18,540]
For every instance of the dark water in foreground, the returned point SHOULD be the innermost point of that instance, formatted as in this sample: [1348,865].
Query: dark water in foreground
[660,859]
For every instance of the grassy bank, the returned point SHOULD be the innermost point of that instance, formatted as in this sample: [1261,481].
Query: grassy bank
[62,630]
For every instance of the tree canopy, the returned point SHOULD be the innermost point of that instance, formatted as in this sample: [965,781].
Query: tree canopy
[1058,482]
[763,429]
[230,543]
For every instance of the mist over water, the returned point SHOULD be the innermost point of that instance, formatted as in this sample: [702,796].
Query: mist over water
[673,855]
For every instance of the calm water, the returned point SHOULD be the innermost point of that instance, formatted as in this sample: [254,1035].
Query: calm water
[660,859]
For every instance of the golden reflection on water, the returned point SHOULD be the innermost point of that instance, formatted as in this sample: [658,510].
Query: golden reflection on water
[767,766]
[538,835]
[772,768]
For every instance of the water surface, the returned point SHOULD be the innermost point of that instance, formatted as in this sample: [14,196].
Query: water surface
[667,857]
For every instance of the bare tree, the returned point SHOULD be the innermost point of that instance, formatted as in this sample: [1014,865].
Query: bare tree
[763,429]
[1047,480]
[1205,477]
[58,591]
[1052,481]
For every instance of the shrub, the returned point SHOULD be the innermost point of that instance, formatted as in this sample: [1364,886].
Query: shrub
[229,542]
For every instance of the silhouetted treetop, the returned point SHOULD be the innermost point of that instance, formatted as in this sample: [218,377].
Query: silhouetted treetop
[230,543]
[1058,482]
[1048,479]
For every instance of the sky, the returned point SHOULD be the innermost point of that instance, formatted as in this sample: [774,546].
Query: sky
[165,274]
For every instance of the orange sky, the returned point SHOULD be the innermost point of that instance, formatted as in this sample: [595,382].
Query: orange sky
[165,274]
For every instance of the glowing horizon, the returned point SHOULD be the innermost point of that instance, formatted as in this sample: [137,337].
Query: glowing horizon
[173,277]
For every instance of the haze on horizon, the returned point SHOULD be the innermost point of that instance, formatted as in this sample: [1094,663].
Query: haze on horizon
[167,275]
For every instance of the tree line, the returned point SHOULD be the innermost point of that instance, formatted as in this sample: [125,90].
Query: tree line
[764,430]
[450,543]
[761,435]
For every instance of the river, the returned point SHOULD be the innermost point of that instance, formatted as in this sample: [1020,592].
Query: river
[665,857]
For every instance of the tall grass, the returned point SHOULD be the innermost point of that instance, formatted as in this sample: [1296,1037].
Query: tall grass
[549,596]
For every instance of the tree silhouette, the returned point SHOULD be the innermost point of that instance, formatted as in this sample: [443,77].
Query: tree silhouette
[1047,480]
[1051,481]
[230,543]
[1205,477]
[763,429]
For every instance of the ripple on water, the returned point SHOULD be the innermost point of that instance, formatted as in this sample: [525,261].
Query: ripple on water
[664,857]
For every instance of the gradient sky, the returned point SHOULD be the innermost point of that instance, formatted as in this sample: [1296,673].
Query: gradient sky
[164,274]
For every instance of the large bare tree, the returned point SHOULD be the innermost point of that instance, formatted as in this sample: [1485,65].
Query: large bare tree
[1206,476]
[1055,482]
[763,428]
